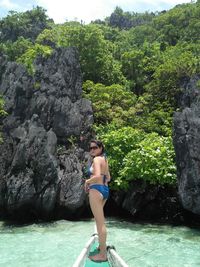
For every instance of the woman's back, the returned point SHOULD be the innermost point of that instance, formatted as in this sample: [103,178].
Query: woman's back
[101,170]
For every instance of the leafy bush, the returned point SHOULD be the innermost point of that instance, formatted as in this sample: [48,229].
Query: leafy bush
[30,55]
[118,144]
[135,155]
[152,161]
[110,103]
[16,49]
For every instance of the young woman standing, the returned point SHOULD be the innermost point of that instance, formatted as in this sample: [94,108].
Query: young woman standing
[97,185]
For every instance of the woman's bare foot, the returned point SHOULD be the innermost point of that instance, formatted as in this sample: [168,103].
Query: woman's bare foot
[98,257]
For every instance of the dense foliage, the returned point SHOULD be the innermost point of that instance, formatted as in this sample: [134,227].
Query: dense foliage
[26,24]
[96,53]
[133,66]
[136,155]
[110,103]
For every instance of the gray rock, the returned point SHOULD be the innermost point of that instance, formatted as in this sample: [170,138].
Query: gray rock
[187,146]
[72,195]
[147,202]
[33,171]
[45,111]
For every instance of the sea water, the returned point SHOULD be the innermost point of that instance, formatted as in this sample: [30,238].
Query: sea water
[57,244]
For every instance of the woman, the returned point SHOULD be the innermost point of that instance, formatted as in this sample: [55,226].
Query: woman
[97,185]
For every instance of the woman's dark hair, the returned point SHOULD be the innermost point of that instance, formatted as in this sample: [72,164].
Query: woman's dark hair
[99,144]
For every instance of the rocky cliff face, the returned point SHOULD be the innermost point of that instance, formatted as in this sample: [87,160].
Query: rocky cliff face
[187,146]
[45,135]
[151,203]
[40,168]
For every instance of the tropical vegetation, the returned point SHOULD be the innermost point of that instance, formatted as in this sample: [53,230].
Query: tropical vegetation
[133,66]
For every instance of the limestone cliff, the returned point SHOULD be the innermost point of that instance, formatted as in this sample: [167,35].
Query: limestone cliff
[40,170]
[187,146]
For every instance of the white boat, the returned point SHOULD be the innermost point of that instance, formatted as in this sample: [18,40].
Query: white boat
[114,260]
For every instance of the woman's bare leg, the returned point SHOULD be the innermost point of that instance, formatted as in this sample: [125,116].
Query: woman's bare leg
[104,202]
[97,204]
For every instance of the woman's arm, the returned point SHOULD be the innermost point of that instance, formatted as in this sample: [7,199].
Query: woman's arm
[109,177]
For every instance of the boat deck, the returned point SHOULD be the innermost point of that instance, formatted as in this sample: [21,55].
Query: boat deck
[114,260]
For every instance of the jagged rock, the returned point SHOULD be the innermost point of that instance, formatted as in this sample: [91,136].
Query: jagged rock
[187,146]
[54,94]
[33,171]
[45,111]
[144,201]
[71,194]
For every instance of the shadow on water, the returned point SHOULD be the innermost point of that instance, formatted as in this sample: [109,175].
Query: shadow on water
[147,226]
[24,223]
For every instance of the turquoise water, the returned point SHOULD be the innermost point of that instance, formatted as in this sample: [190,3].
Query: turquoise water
[58,244]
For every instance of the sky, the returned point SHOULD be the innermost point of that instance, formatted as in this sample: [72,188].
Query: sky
[86,10]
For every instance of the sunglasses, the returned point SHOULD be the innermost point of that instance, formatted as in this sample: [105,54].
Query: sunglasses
[94,147]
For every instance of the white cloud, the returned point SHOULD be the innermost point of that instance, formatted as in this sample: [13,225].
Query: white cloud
[87,10]
[62,10]
[172,2]
[159,4]
[7,4]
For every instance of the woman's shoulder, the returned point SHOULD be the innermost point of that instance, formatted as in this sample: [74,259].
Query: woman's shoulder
[97,159]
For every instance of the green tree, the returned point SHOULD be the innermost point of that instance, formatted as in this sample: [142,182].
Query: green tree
[153,116]
[96,57]
[175,24]
[16,49]
[139,64]
[141,34]
[111,104]
[133,69]
[179,62]
[26,24]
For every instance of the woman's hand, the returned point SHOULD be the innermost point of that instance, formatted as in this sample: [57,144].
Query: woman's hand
[86,186]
